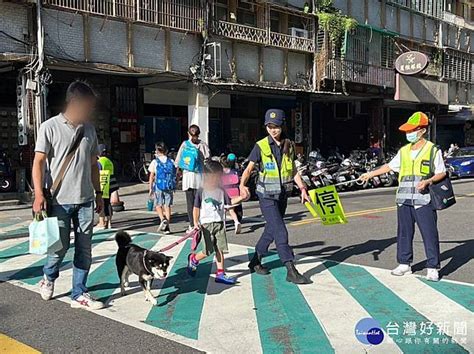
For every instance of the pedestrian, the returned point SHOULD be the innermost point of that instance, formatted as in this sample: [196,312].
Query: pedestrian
[275,156]
[190,159]
[230,183]
[65,165]
[209,218]
[162,185]
[108,185]
[413,162]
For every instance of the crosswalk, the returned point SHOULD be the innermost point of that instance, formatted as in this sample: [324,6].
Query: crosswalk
[266,314]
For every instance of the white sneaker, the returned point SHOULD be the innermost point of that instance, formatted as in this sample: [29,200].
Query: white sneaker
[402,269]
[85,301]
[46,288]
[432,274]
[238,227]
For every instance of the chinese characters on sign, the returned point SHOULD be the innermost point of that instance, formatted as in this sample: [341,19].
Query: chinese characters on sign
[105,183]
[411,63]
[327,205]
[411,332]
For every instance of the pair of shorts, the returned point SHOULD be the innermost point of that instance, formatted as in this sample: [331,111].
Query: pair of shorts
[163,198]
[214,237]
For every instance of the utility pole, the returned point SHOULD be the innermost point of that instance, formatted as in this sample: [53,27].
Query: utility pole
[40,106]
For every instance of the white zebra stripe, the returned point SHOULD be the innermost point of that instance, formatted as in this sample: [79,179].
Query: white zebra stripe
[432,304]
[229,310]
[337,311]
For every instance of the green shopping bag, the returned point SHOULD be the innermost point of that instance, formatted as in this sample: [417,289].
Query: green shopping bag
[44,235]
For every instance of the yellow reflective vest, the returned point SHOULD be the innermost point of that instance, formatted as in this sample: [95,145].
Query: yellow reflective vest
[413,171]
[271,178]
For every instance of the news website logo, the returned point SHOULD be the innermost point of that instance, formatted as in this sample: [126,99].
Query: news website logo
[369,331]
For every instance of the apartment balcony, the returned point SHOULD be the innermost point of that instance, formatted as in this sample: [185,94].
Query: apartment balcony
[360,73]
[263,36]
[186,16]
[457,20]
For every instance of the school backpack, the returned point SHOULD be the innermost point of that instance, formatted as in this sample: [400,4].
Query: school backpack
[165,179]
[189,157]
[230,182]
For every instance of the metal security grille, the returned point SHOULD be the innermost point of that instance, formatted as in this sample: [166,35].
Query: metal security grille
[458,66]
[187,15]
[434,8]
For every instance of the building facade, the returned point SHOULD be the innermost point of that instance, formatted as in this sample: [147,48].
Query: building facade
[161,64]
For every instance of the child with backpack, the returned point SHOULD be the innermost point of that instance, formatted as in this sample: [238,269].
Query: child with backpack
[209,217]
[162,185]
[230,183]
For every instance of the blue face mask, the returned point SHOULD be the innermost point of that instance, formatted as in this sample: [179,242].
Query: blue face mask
[413,137]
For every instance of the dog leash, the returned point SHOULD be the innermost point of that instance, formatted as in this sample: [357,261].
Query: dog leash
[193,233]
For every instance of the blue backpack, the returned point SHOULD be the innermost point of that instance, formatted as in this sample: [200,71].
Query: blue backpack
[165,179]
[189,158]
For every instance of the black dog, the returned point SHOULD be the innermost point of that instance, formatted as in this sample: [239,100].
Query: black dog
[133,259]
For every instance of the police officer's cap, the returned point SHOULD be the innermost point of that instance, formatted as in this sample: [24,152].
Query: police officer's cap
[275,116]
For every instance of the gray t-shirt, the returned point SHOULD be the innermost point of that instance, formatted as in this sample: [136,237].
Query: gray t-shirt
[55,137]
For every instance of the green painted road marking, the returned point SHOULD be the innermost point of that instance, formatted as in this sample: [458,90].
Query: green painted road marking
[14,233]
[384,306]
[285,321]
[9,223]
[17,250]
[105,276]
[181,299]
[459,293]
[33,273]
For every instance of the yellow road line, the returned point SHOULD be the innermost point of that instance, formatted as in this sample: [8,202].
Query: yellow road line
[351,214]
[10,345]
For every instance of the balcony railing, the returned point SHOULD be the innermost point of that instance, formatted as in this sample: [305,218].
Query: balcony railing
[261,36]
[360,73]
[186,15]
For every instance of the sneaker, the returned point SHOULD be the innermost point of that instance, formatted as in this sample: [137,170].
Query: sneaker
[46,288]
[163,225]
[190,228]
[432,274]
[192,267]
[238,227]
[225,279]
[402,269]
[167,230]
[85,301]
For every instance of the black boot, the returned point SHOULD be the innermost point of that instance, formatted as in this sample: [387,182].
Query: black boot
[293,276]
[256,265]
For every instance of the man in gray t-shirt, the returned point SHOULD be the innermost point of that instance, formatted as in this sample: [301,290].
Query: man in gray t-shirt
[73,200]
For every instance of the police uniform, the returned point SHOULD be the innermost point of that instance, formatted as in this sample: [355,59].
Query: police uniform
[276,172]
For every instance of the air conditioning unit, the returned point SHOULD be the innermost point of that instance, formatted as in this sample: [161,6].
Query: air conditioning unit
[299,32]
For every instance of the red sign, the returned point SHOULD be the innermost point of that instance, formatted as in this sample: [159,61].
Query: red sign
[411,63]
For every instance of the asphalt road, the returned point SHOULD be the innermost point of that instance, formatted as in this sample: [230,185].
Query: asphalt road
[369,238]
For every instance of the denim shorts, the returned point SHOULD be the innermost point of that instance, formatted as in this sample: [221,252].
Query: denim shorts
[163,198]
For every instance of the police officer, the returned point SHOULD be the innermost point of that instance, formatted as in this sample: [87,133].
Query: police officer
[275,156]
[413,162]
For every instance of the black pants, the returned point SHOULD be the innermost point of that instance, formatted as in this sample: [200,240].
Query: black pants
[190,196]
[425,217]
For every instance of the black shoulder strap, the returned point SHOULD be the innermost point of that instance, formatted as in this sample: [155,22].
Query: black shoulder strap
[433,152]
